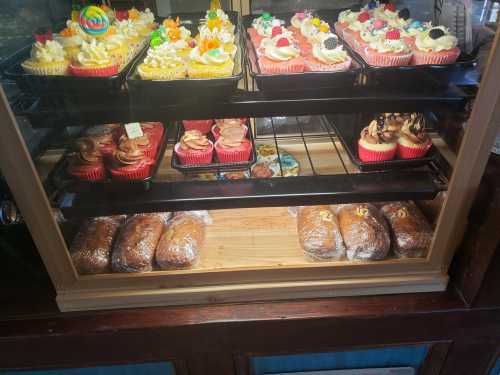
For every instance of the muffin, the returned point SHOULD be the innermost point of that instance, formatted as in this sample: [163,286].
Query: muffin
[93,61]
[203,126]
[86,163]
[436,46]
[280,55]
[390,50]
[232,146]
[327,55]
[129,161]
[47,59]
[377,143]
[413,140]
[194,148]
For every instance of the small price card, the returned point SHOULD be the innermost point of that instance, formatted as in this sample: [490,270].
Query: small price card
[133,130]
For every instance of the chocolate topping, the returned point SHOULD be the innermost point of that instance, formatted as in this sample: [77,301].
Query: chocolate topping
[404,13]
[128,152]
[378,132]
[87,151]
[414,129]
[194,140]
[436,33]
[330,43]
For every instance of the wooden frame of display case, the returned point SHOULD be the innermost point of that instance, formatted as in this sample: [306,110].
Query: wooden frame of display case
[76,292]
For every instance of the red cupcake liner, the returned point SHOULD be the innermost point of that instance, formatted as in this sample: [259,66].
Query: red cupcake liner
[234,155]
[442,57]
[405,152]
[313,65]
[194,157]
[203,126]
[216,131]
[155,129]
[375,58]
[370,155]
[105,71]
[268,66]
[107,150]
[138,171]
[87,172]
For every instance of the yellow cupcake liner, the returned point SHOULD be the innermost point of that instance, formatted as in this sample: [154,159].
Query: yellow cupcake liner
[46,69]
[148,73]
[196,70]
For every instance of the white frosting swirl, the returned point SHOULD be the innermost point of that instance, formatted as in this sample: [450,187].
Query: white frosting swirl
[69,41]
[385,14]
[114,41]
[297,22]
[329,56]
[93,53]
[163,56]
[320,37]
[425,43]
[222,34]
[147,17]
[373,35]
[127,28]
[276,53]
[359,26]
[50,51]
[389,45]
[309,30]
[210,57]
[348,16]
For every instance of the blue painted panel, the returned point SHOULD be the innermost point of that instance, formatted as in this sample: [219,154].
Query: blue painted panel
[410,356]
[158,368]
[496,369]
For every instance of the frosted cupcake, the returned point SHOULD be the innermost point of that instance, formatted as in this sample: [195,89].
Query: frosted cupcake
[262,28]
[386,12]
[413,140]
[311,27]
[232,146]
[345,18]
[86,163]
[280,55]
[209,60]
[219,14]
[360,24]
[377,142]
[162,63]
[298,19]
[93,61]
[117,46]
[390,50]
[327,55]
[71,41]
[194,148]
[414,28]
[128,29]
[375,31]
[436,46]
[226,38]
[47,59]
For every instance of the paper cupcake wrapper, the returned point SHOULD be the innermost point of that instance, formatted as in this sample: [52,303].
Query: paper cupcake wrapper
[203,126]
[295,65]
[233,155]
[443,57]
[210,71]
[163,74]
[305,48]
[88,173]
[371,155]
[381,59]
[348,36]
[216,131]
[140,173]
[56,70]
[313,65]
[418,151]
[339,29]
[104,71]
[194,157]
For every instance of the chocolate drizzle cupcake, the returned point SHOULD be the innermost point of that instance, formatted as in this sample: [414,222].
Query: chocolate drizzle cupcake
[86,162]
[414,142]
[377,142]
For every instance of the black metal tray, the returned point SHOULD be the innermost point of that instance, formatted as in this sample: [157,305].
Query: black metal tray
[216,166]
[146,92]
[63,181]
[348,129]
[63,86]
[315,81]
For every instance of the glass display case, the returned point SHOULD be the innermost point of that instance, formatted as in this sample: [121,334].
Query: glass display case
[201,155]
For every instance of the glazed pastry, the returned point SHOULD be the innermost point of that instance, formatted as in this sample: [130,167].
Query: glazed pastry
[436,46]
[232,146]
[93,61]
[319,233]
[411,233]
[135,244]
[86,163]
[91,248]
[377,141]
[414,142]
[47,59]
[194,148]
[181,242]
[129,161]
[364,231]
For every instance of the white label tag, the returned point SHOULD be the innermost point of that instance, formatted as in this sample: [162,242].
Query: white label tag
[133,130]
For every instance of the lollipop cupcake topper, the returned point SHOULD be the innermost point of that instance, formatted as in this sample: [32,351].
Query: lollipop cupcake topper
[93,20]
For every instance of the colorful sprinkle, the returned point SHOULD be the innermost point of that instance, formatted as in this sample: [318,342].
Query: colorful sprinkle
[93,20]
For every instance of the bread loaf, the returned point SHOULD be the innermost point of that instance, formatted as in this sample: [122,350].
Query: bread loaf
[319,233]
[91,247]
[364,231]
[410,231]
[136,243]
[181,242]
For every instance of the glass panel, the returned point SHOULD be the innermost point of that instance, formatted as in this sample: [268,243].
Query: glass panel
[165,368]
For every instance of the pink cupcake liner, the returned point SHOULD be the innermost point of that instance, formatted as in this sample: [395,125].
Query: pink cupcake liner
[410,40]
[313,65]
[349,36]
[216,131]
[443,57]
[386,59]
[339,29]
[405,152]
[305,48]
[267,66]
[234,155]
[105,71]
[88,172]
[133,172]
[371,155]
[194,157]
[203,126]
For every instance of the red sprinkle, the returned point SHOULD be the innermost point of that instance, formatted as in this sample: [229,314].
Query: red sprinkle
[390,7]
[282,42]
[363,17]
[393,34]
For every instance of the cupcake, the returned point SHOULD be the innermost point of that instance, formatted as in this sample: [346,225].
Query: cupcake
[162,63]
[194,148]
[389,50]
[413,29]
[311,27]
[262,28]
[232,146]
[129,162]
[377,143]
[436,46]
[203,126]
[374,31]
[117,47]
[47,59]
[222,124]
[352,31]
[394,121]
[145,143]
[104,137]
[86,163]
[386,12]
[128,29]
[93,61]
[221,15]
[413,140]
[154,130]
[226,38]
[345,18]
[209,60]
[298,19]
[327,55]
[280,55]
[71,41]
